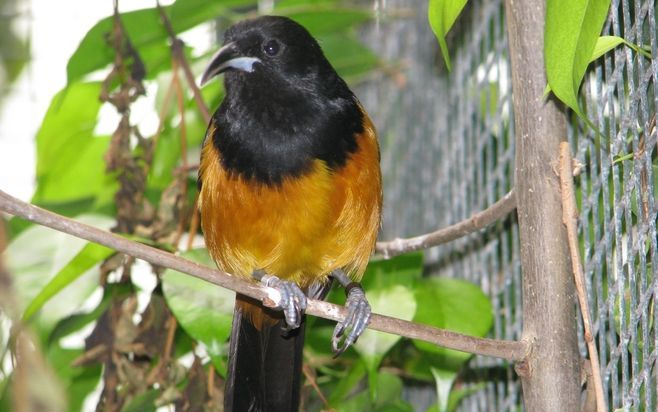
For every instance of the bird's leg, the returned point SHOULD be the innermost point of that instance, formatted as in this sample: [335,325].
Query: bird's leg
[358,314]
[293,299]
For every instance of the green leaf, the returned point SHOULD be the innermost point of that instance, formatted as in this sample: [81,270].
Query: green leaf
[77,321]
[397,301]
[456,396]
[571,33]
[389,390]
[70,163]
[442,15]
[38,254]
[90,255]
[452,304]
[389,386]
[144,402]
[347,384]
[386,273]
[145,29]
[444,380]
[204,311]
[604,44]
[405,269]
[323,19]
[456,305]
[347,54]
[78,381]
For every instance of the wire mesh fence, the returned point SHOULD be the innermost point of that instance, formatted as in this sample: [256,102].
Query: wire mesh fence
[618,213]
[448,152]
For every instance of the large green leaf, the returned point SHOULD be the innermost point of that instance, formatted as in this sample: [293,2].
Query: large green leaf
[603,45]
[452,304]
[36,255]
[386,273]
[405,269]
[90,255]
[70,163]
[442,15]
[397,301]
[455,305]
[145,29]
[572,31]
[389,387]
[204,311]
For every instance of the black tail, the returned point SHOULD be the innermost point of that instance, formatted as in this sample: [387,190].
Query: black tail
[264,366]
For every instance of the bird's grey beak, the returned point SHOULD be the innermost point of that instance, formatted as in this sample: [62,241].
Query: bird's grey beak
[228,57]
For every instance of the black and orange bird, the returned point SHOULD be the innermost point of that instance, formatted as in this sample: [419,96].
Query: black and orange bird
[290,195]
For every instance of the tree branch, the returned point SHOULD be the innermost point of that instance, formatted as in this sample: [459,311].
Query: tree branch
[510,350]
[569,218]
[478,221]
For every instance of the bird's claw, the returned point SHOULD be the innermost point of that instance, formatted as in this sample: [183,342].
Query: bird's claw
[356,321]
[293,300]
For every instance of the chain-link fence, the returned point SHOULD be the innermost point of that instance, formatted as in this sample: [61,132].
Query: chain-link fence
[448,152]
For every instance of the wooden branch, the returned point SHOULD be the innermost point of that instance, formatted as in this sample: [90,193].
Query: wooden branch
[510,350]
[570,218]
[478,221]
[550,377]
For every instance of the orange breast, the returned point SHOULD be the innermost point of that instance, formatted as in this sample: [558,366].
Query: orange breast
[300,230]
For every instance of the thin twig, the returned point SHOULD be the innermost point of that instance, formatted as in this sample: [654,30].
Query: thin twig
[194,222]
[162,117]
[171,333]
[182,178]
[478,221]
[177,52]
[570,218]
[210,382]
[310,378]
[510,350]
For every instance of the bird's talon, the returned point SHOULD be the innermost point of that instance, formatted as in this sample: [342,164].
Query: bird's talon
[292,302]
[355,323]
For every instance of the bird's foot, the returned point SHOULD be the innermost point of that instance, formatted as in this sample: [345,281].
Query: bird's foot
[293,299]
[358,316]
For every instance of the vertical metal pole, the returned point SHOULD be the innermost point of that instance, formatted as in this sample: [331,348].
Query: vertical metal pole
[551,375]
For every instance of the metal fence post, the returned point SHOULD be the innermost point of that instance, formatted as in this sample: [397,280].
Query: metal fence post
[550,377]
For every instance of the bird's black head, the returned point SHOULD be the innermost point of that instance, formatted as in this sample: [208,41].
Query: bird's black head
[285,105]
[272,53]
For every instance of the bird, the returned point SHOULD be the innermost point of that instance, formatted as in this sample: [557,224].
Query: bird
[290,195]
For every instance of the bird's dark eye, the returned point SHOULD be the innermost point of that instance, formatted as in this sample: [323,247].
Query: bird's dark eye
[271,47]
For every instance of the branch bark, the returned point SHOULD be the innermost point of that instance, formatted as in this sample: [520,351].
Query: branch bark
[480,220]
[551,375]
[510,350]
[569,218]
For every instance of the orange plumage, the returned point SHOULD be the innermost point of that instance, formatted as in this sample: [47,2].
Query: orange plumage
[300,230]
